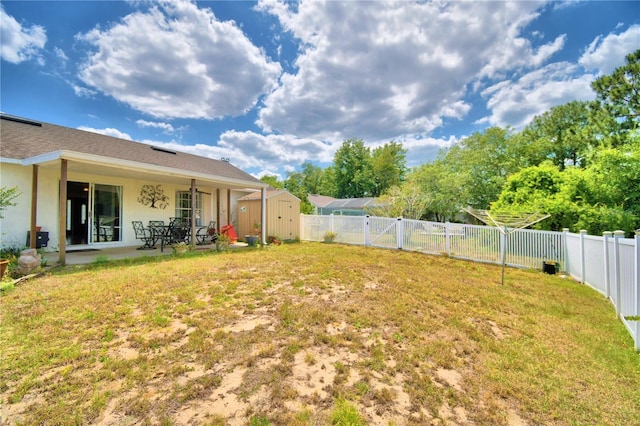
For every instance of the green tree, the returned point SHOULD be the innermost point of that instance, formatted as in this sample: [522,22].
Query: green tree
[440,185]
[407,201]
[312,178]
[480,164]
[388,164]
[603,197]
[353,170]
[545,189]
[328,184]
[7,198]
[614,183]
[619,93]
[295,185]
[564,134]
[272,181]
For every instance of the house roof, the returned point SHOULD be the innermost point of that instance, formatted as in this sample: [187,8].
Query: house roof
[29,142]
[320,200]
[352,203]
[268,194]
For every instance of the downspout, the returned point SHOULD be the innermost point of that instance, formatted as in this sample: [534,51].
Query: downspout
[62,215]
[34,206]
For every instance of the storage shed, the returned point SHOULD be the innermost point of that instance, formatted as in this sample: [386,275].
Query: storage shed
[283,214]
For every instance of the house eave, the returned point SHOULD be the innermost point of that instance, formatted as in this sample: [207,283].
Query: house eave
[136,166]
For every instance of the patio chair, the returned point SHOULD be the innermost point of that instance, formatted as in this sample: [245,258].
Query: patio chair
[205,232]
[144,234]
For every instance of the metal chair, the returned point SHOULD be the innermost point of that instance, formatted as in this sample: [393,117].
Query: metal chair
[144,234]
[205,232]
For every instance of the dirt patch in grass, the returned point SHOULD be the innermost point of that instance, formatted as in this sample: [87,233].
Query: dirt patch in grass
[313,334]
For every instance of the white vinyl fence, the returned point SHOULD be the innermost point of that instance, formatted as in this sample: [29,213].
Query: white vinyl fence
[610,264]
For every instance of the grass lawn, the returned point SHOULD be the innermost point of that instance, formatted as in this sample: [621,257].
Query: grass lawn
[312,334]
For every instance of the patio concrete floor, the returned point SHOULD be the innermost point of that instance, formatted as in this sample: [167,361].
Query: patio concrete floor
[83,257]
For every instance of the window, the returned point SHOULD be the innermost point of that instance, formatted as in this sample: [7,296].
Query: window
[183,206]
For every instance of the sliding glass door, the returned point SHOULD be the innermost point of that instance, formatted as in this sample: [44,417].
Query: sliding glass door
[93,213]
[107,202]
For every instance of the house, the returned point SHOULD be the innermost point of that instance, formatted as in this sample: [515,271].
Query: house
[324,205]
[282,214]
[84,189]
[319,201]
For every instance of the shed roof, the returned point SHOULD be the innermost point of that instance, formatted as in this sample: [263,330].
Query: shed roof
[24,139]
[269,193]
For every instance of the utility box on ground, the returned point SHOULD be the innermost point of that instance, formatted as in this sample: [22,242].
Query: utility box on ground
[42,239]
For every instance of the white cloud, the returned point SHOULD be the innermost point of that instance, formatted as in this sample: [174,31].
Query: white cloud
[420,149]
[107,132]
[82,92]
[176,60]
[605,54]
[59,53]
[515,103]
[20,43]
[378,70]
[257,150]
[262,154]
[165,127]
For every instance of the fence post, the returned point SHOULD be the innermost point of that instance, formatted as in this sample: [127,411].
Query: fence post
[616,269]
[367,231]
[607,281]
[331,223]
[447,238]
[636,279]
[565,249]
[583,233]
[400,233]
[503,250]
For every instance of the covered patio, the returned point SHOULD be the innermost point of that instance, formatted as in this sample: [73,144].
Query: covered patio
[84,191]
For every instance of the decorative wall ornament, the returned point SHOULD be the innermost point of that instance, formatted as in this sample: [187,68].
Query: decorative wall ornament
[153,196]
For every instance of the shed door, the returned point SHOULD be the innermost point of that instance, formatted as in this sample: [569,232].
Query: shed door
[284,227]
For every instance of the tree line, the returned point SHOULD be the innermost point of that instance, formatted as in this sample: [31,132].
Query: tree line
[578,162]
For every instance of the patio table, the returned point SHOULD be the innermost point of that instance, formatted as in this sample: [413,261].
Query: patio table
[175,232]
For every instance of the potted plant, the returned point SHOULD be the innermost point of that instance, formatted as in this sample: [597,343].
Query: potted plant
[181,248]
[273,240]
[3,267]
[222,242]
[252,240]
[549,267]
[330,237]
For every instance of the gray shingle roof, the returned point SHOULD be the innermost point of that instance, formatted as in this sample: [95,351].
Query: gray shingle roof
[320,200]
[22,138]
[353,203]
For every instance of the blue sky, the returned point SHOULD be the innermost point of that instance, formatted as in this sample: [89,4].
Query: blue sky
[271,84]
